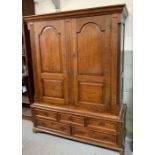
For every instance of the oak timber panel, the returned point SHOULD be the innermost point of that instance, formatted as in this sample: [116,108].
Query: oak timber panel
[115,60]
[101,124]
[91,92]
[91,37]
[93,135]
[68,41]
[71,119]
[52,125]
[51,61]
[90,50]
[46,114]
[53,88]
[50,50]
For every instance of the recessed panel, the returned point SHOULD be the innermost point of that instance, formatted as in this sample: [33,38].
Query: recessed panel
[53,88]
[90,50]
[91,92]
[50,50]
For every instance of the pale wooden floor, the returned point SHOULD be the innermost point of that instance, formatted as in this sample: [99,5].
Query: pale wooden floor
[45,144]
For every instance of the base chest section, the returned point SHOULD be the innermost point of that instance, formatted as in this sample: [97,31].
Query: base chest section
[93,130]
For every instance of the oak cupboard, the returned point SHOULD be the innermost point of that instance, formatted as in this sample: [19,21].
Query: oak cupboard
[77,59]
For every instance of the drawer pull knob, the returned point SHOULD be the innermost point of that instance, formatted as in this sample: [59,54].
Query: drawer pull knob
[101,123]
[105,137]
[42,124]
[58,117]
[85,122]
[46,114]
[71,130]
[70,118]
[80,132]
[62,128]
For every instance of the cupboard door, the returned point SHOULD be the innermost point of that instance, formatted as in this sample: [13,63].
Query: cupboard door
[50,56]
[91,40]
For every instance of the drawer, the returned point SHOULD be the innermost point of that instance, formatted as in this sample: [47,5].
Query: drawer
[65,129]
[101,124]
[72,119]
[93,135]
[46,113]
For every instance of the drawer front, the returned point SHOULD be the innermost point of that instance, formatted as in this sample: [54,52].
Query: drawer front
[101,124]
[54,126]
[93,135]
[46,113]
[72,119]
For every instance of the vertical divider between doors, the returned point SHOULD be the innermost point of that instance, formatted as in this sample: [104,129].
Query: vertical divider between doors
[74,56]
[68,41]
